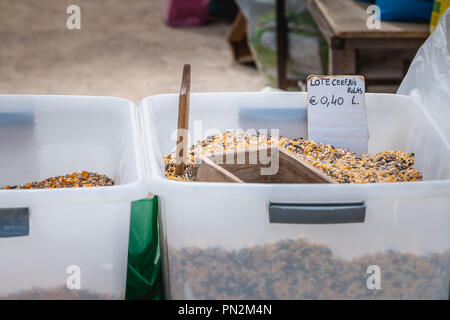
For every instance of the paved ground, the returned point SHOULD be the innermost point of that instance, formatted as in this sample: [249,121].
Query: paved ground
[123,49]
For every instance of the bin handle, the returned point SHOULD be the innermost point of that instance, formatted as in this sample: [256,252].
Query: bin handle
[14,222]
[317,213]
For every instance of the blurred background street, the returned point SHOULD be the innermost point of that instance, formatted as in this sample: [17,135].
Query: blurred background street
[123,49]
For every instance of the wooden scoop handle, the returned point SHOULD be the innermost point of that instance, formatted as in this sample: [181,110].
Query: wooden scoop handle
[183,120]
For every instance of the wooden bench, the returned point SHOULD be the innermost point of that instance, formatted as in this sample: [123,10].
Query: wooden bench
[343,23]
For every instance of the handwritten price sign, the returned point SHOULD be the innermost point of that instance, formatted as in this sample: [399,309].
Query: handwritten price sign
[326,101]
[337,111]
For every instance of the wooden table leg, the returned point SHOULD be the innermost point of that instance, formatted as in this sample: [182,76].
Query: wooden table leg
[282,33]
[341,61]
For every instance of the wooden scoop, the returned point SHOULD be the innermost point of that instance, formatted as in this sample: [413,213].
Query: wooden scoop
[257,165]
[286,168]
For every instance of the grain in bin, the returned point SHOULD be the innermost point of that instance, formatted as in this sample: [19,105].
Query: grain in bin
[72,165]
[301,240]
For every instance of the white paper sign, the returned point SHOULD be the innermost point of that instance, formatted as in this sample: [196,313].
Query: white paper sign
[337,112]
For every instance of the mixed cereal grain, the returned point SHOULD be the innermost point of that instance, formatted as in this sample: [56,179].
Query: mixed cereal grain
[73,180]
[300,269]
[56,293]
[342,165]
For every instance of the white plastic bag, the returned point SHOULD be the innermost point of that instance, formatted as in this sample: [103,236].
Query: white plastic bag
[428,78]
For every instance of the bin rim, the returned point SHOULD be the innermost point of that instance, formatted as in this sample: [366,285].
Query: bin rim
[131,191]
[159,185]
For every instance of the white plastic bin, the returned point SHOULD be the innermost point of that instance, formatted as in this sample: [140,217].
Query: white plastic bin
[66,243]
[220,243]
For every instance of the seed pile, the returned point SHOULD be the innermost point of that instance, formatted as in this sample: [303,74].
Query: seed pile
[74,180]
[299,269]
[57,293]
[348,167]
[342,165]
